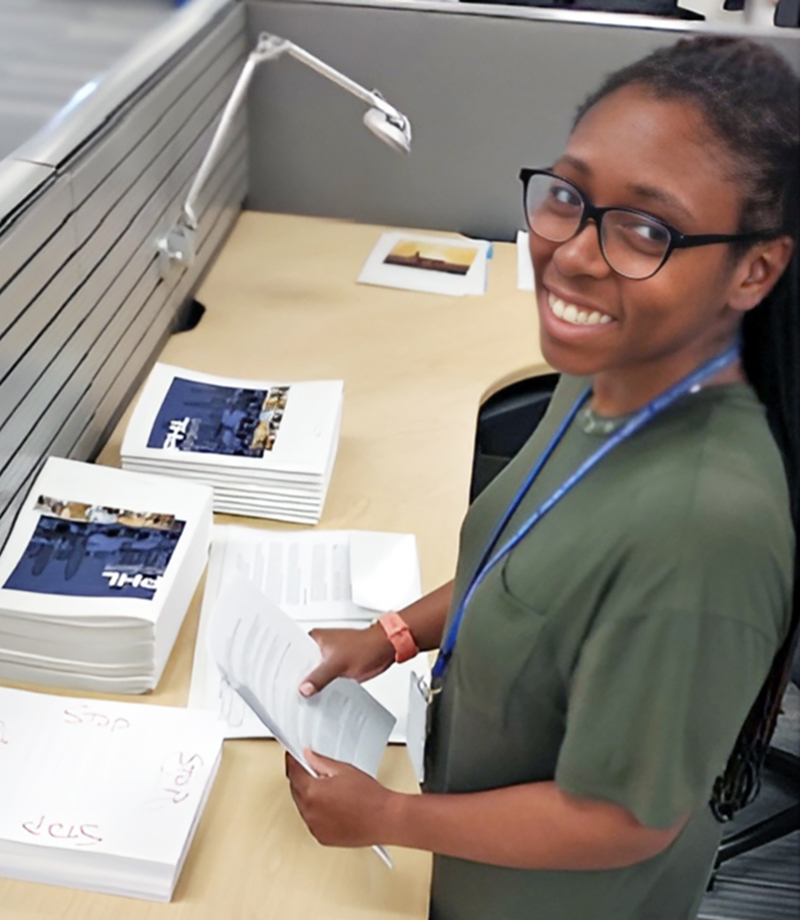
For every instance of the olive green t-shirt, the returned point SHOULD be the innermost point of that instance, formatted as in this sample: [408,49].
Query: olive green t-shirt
[618,648]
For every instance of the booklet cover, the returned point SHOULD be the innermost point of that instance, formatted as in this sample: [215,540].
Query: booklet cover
[89,536]
[203,422]
[83,550]
[213,419]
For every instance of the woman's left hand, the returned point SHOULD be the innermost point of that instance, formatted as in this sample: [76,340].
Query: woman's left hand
[342,806]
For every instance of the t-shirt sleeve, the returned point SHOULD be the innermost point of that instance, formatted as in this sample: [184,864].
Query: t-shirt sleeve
[655,706]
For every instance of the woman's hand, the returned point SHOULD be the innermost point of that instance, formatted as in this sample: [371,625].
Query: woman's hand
[342,806]
[363,653]
[356,653]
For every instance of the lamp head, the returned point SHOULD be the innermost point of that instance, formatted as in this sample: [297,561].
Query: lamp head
[393,130]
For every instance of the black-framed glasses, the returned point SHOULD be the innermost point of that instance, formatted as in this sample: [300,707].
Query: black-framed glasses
[633,243]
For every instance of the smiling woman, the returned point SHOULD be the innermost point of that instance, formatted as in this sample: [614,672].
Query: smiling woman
[614,644]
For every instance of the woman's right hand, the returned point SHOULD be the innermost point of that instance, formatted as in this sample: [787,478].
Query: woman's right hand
[356,653]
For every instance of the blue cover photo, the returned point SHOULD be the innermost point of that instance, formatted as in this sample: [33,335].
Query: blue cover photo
[80,550]
[213,419]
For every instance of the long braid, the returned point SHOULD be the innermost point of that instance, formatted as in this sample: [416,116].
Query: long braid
[771,344]
[750,98]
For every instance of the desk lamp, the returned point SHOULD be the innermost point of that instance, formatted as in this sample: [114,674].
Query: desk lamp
[382,119]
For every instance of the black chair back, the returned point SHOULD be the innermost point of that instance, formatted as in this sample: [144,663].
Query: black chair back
[505,422]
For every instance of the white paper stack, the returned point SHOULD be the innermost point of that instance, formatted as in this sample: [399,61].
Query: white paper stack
[100,795]
[320,578]
[266,448]
[97,575]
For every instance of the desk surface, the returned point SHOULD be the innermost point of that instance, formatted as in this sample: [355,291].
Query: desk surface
[282,303]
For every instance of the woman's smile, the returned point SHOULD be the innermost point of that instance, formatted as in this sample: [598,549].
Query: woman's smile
[572,312]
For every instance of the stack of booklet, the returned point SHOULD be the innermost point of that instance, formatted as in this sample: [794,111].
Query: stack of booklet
[266,448]
[101,795]
[97,575]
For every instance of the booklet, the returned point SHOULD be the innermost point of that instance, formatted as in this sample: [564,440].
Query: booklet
[102,795]
[229,423]
[321,579]
[432,264]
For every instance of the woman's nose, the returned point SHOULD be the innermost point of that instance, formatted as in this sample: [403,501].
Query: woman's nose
[582,254]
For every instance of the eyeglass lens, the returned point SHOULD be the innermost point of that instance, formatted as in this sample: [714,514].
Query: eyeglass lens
[632,244]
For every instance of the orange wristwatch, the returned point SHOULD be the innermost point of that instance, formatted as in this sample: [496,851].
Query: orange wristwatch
[399,635]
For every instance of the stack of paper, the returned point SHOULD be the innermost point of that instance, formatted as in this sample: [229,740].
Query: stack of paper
[322,578]
[267,449]
[97,575]
[100,795]
[263,655]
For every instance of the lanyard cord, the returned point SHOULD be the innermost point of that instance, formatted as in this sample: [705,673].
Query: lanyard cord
[635,422]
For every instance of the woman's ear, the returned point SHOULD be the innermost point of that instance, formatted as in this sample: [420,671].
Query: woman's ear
[757,272]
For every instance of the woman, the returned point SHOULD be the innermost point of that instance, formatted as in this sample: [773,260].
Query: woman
[620,662]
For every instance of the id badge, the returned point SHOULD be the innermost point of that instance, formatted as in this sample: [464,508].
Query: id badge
[416,727]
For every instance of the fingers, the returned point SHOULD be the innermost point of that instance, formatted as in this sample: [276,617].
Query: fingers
[321,676]
[324,766]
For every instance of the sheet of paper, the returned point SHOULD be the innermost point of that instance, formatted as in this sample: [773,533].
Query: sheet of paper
[433,264]
[525,280]
[325,571]
[309,571]
[264,655]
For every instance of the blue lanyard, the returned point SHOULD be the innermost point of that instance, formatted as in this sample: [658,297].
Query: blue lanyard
[490,559]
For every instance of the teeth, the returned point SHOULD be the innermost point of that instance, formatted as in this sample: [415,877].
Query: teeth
[575,315]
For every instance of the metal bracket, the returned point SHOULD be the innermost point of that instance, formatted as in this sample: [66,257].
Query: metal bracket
[177,247]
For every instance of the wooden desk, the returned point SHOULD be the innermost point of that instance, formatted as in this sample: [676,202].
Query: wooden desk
[283,304]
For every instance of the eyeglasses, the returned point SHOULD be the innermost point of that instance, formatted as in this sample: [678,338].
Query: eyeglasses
[634,244]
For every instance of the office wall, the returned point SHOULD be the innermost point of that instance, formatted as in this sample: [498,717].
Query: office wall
[486,95]
[83,310]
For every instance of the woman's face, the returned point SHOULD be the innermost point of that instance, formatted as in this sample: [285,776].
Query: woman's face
[632,150]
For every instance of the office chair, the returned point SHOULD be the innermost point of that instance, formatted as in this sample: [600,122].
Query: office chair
[505,422]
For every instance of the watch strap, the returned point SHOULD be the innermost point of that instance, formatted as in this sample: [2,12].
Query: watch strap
[398,633]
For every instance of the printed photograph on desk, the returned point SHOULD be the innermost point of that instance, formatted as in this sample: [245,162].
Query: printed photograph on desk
[429,264]
[432,257]
[213,419]
[81,550]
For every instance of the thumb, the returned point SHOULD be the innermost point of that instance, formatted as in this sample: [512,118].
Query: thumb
[320,677]
[323,766]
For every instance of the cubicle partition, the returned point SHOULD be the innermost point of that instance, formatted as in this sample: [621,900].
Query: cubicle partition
[83,310]
[488,90]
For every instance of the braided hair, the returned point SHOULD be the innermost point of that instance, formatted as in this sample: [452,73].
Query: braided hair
[750,98]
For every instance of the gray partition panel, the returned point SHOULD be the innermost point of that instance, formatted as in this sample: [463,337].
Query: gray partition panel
[485,96]
[83,309]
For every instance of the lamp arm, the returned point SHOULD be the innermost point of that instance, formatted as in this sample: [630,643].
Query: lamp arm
[235,99]
[371,97]
[177,245]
